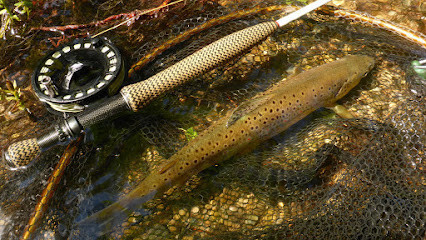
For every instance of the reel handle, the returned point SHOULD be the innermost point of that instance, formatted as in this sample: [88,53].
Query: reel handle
[140,94]
[20,154]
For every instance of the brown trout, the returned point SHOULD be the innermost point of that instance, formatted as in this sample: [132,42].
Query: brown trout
[264,116]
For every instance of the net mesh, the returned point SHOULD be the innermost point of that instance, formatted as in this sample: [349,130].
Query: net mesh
[324,178]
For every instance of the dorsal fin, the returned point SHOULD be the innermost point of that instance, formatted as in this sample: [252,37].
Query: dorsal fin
[246,107]
[167,166]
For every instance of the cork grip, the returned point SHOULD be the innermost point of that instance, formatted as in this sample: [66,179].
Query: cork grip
[139,94]
[20,154]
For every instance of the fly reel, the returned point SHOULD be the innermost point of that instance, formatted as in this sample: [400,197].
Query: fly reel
[77,74]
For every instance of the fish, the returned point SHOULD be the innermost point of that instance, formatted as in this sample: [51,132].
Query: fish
[266,115]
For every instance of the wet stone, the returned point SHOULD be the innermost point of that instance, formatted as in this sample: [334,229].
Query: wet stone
[195,209]
[233,208]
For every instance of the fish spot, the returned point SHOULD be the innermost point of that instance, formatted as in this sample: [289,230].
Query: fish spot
[273,102]
[226,136]
[195,161]
[289,103]
[196,150]
[281,102]
[282,111]
[165,179]
[181,168]
[242,131]
[315,95]
[209,143]
[284,97]
[252,128]
[257,127]
[233,131]
[278,109]
[329,89]
[294,95]
[297,100]
[202,149]
[313,90]
[264,122]
[217,144]
[303,93]
[271,110]
[245,121]
[233,139]
[322,87]
[202,158]
[254,118]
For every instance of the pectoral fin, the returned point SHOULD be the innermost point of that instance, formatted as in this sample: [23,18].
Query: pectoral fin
[341,111]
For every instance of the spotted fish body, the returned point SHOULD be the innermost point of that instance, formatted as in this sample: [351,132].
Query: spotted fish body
[257,120]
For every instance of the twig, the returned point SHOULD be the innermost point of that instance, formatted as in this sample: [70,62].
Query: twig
[50,189]
[131,15]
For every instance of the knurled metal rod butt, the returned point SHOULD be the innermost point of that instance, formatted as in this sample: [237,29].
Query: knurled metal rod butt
[136,96]
[139,94]
[20,154]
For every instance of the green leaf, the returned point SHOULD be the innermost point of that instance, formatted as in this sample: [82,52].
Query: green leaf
[15,17]
[27,4]
[190,133]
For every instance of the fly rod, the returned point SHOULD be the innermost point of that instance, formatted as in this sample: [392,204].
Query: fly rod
[135,96]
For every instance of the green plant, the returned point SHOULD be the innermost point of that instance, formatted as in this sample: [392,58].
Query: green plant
[190,133]
[24,7]
[13,94]
[8,15]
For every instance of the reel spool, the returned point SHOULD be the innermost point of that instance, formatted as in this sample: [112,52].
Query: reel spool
[77,74]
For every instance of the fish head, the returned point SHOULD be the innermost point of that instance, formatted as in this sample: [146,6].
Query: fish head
[358,66]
